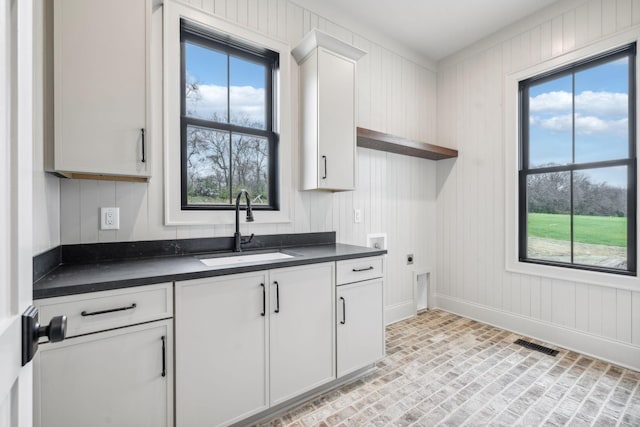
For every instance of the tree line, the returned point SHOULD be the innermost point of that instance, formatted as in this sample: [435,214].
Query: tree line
[551,193]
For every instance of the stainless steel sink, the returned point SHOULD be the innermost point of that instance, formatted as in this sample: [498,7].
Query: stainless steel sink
[243,258]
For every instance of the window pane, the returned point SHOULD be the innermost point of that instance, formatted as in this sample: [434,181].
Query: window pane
[207,166]
[205,83]
[548,216]
[251,167]
[601,115]
[247,93]
[550,123]
[600,217]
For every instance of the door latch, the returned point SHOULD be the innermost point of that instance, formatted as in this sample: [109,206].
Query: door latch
[55,331]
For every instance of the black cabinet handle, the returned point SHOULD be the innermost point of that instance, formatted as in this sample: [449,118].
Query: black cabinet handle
[95,313]
[277,310]
[344,312]
[143,157]
[164,357]
[325,167]
[264,300]
[357,270]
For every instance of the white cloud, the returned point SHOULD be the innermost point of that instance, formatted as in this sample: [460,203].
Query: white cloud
[584,125]
[550,102]
[602,103]
[608,104]
[246,101]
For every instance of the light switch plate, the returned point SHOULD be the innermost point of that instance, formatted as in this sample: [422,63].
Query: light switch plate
[109,218]
[357,216]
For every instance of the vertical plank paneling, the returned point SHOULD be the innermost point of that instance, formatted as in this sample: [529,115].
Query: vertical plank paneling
[623,11]
[536,297]
[582,308]
[545,299]
[582,24]
[635,13]
[232,11]
[272,16]
[594,25]
[220,8]
[70,212]
[569,31]
[635,318]
[595,310]
[545,40]
[525,295]
[242,11]
[623,315]
[252,13]
[563,303]
[557,36]
[609,17]
[609,306]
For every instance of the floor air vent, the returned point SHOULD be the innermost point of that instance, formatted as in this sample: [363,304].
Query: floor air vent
[536,347]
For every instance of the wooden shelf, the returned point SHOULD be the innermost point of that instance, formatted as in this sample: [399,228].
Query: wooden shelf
[374,140]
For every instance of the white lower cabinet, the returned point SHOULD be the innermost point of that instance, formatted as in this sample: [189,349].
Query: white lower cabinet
[120,377]
[115,368]
[221,347]
[301,330]
[360,325]
[246,342]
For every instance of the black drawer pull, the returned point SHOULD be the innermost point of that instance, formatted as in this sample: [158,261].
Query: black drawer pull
[277,310]
[143,156]
[95,313]
[164,357]
[356,270]
[344,312]
[264,300]
[325,167]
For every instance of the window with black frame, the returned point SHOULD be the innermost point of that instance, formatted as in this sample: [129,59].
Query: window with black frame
[227,119]
[577,177]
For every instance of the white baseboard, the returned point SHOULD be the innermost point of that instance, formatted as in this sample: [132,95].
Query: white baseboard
[397,312]
[606,349]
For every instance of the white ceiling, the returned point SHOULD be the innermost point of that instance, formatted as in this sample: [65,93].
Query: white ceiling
[433,28]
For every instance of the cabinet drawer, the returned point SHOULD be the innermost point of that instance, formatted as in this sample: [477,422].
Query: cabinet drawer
[356,270]
[99,311]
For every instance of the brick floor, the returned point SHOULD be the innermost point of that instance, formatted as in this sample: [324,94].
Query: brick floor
[446,370]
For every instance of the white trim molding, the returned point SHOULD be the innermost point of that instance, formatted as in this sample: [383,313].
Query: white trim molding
[171,51]
[511,112]
[612,351]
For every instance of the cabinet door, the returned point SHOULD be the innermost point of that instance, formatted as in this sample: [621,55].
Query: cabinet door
[360,325]
[301,329]
[100,57]
[336,121]
[111,378]
[221,341]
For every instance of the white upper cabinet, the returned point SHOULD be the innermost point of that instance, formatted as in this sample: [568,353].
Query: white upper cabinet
[327,111]
[100,57]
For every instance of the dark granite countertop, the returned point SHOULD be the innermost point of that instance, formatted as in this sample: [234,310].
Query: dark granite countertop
[100,275]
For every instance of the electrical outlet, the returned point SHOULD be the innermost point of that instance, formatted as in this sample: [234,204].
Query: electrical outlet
[409,259]
[109,218]
[357,216]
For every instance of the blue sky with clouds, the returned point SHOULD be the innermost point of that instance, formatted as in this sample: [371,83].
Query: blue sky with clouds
[247,84]
[601,119]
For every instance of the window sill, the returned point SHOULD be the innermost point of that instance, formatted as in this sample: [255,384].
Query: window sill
[610,280]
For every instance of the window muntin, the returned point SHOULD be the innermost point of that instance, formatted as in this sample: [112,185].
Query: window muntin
[227,124]
[577,165]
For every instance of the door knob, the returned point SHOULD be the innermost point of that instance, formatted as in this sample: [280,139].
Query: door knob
[55,331]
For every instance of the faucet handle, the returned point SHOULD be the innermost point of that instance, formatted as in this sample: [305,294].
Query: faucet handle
[245,241]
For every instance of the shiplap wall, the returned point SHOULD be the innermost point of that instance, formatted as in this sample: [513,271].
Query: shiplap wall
[471,276]
[396,193]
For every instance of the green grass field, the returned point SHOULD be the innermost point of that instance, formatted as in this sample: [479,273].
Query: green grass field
[597,230]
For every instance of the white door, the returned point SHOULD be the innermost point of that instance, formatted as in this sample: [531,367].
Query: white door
[301,330]
[16,123]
